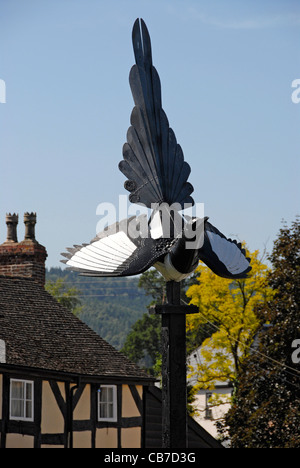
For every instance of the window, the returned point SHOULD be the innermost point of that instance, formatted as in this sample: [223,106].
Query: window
[107,403]
[208,407]
[21,400]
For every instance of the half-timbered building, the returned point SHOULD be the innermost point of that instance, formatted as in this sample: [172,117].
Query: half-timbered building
[61,384]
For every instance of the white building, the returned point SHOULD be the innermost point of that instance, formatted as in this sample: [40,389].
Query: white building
[210,405]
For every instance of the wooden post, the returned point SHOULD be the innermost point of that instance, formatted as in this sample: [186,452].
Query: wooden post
[174,395]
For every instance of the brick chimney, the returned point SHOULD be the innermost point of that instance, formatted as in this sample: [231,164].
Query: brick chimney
[24,259]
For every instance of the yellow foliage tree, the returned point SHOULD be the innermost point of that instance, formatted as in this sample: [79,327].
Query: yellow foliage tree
[229,307]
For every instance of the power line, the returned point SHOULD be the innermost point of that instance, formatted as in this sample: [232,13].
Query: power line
[78,283]
[291,371]
[92,295]
[294,371]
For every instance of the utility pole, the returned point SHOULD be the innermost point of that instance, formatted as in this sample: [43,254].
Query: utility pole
[174,394]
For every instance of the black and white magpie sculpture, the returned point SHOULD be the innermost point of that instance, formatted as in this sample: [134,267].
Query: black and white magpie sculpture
[158,179]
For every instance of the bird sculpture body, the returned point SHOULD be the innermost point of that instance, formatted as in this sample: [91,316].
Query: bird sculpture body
[157,177]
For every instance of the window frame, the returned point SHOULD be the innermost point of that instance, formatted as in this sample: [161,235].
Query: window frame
[24,400]
[208,406]
[114,401]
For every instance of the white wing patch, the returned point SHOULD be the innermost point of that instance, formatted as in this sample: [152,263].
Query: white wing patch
[156,228]
[229,253]
[106,254]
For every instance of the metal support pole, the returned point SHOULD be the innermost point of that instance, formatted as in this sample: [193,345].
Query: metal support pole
[174,395]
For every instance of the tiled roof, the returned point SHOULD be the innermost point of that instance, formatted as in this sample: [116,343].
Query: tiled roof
[40,333]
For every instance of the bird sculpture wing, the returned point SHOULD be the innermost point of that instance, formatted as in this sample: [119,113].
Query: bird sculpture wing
[126,248]
[153,161]
[225,257]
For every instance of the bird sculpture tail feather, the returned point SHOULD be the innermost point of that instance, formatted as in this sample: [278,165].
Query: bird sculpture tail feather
[153,161]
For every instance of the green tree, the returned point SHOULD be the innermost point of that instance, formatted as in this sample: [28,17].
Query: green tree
[266,409]
[154,286]
[67,297]
[143,343]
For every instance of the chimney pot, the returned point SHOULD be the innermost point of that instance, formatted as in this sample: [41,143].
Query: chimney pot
[25,259]
[12,222]
[30,222]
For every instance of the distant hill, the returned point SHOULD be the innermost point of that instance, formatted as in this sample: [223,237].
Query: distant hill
[110,305]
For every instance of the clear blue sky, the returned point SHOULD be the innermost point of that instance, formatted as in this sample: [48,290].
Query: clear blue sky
[226,69]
